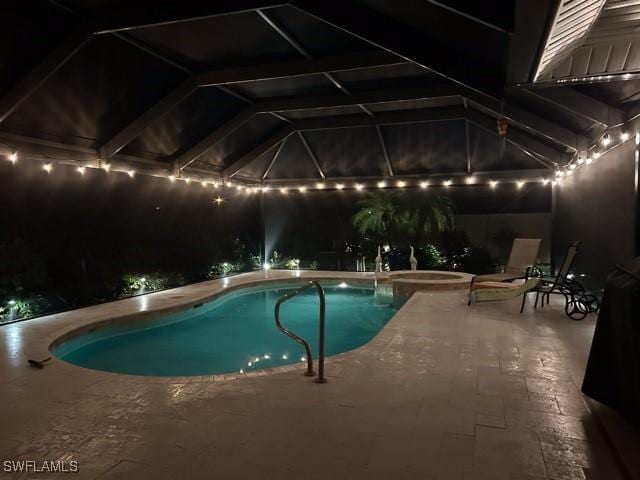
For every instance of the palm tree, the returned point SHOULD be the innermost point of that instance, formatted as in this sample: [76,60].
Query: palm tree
[426,217]
[378,215]
[385,214]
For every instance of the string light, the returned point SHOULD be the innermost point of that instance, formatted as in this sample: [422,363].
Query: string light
[187,180]
[545,181]
[218,200]
[266,188]
[13,157]
[520,184]
[624,136]
[401,184]
[320,186]
[580,160]
[493,183]
[302,189]
[204,184]
[447,183]
[589,161]
[424,184]
[596,155]
[359,186]
[382,184]
[81,170]
[339,186]
[131,173]
[106,167]
[283,190]
[606,139]
[573,166]
[470,180]
[172,178]
[47,167]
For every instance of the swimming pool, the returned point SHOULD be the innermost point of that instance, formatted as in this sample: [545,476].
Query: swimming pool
[232,333]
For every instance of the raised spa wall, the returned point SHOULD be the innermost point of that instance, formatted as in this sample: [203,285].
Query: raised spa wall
[406,283]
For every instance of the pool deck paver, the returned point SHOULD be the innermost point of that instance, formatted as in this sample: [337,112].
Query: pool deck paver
[444,391]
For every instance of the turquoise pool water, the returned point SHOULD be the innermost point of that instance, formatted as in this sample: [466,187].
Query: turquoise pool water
[232,333]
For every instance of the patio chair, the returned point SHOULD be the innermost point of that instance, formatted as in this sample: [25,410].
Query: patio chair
[493,291]
[524,253]
[578,303]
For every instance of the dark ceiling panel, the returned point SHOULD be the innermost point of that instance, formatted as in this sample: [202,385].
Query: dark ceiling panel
[489,152]
[95,93]
[286,87]
[242,140]
[317,37]
[404,75]
[224,41]
[426,147]
[294,161]
[555,113]
[256,169]
[347,152]
[186,124]
[30,30]
[613,93]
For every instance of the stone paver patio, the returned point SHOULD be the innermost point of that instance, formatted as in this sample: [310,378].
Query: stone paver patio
[445,391]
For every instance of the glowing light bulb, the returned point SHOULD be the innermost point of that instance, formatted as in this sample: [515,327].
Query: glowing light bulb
[589,161]
[47,167]
[596,155]
[285,356]
[106,167]
[339,186]
[493,183]
[382,184]
[81,170]
[359,186]
[204,184]
[580,161]
[447,183]
[606,139]
[219,200]
[470,180]
[343,285]
[572,166]
[320,186]
[424,184]
[13,157]
[520,184]
[172,178]
[283,190]
[545,181]
[131,173]
[302,189]
[401,184]
[624,136]
[266,266]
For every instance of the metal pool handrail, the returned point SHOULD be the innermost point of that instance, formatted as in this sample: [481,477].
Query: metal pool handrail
[300,340]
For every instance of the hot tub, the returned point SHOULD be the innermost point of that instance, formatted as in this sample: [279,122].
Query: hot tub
[406,282]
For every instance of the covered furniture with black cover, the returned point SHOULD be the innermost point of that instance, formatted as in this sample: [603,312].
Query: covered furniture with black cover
[613,370]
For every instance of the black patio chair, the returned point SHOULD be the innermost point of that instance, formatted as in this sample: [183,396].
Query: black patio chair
[578,303]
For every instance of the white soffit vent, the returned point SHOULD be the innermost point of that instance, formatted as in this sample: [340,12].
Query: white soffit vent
[572,22]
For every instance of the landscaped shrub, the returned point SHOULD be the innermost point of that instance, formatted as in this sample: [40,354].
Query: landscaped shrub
[134,284]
